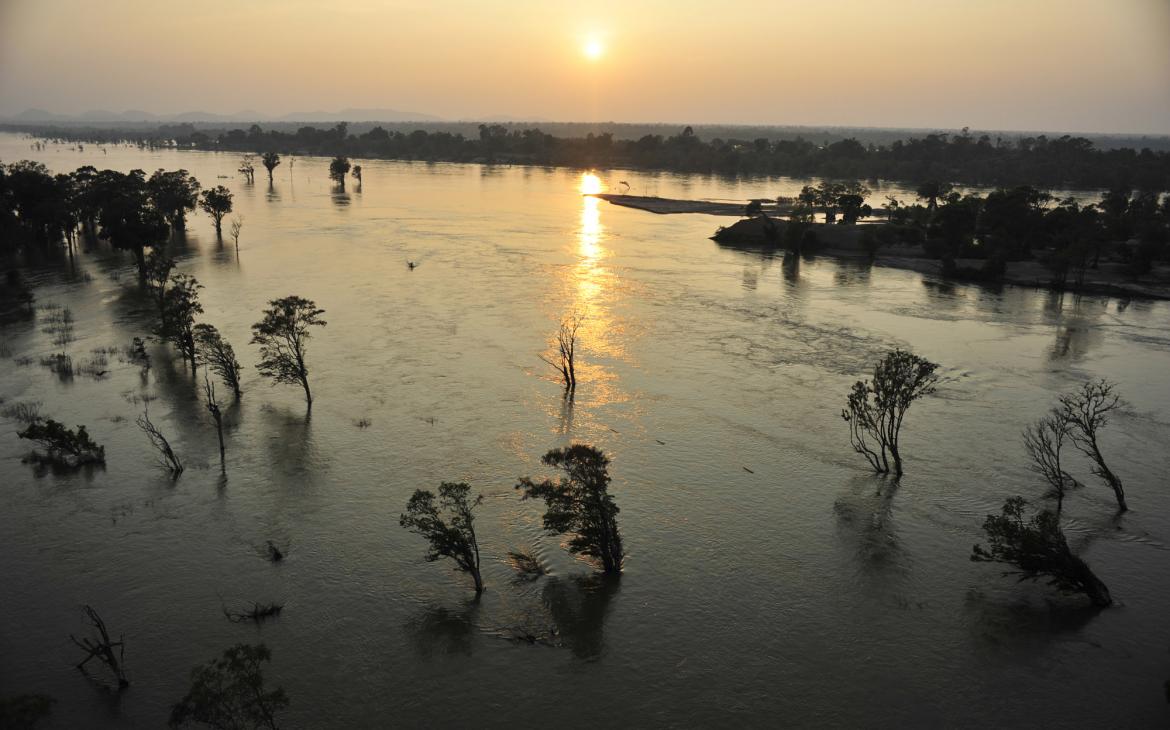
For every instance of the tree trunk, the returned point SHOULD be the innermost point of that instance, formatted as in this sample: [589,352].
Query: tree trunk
[308,394]
[478,581]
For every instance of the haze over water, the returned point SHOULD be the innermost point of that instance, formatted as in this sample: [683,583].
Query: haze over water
[768,582]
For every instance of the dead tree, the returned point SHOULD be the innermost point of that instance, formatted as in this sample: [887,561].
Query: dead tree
[237,226]
[167,458]
[213,409]
[564,361]
[102,648]
[1044,441]
[1087,412]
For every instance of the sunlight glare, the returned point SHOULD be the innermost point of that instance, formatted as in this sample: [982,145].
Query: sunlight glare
[593,49]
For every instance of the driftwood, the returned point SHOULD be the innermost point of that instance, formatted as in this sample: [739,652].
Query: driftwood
[102,648]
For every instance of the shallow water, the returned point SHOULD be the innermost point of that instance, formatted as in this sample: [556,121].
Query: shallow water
[801,592]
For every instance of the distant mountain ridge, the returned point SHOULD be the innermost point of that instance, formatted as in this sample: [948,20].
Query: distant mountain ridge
[247,115]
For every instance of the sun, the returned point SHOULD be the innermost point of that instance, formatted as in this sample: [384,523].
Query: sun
[593,49]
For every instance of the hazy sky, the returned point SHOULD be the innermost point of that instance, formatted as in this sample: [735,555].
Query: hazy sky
[1073,65]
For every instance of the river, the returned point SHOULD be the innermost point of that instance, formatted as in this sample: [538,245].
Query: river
[771,580]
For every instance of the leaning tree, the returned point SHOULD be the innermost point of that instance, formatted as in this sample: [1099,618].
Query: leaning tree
[283,335]
[451,535]
[1036,549]
[1087,412]
[876,408]
[580,503]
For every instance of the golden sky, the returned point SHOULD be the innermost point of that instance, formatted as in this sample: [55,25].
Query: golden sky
[1069,65]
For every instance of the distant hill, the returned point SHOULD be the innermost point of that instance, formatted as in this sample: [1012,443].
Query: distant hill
[249,115]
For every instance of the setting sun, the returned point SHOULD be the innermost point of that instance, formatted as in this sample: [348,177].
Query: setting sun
[593,49]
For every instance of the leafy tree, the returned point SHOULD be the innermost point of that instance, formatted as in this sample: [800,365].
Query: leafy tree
[453,537]
[271,160]
[875,409]
[216,202]
[337,170]
[158,274]
[174,193]
[229,693]
[1087,412]
[1037,549]
[180,305]
[128,218]
[580,503]
[248,168]
[63,444]
[283,334]
[357,174]
[932,191]
[217,354]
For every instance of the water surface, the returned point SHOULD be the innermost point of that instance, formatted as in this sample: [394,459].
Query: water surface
[771,580]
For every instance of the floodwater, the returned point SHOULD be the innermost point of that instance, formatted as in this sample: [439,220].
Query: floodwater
[771,581]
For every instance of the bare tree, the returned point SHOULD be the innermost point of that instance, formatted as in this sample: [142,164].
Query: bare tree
[167,458]
[248,167]
[236,227]
[1087,412]
[213,409]
[875,410]
[564,361]
[102,647]
[1044,441]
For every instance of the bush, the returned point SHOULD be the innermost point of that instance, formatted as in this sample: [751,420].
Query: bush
[64,445]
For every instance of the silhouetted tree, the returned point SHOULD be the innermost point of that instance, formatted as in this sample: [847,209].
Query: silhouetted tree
[173,193]
[158,274]
[1037,549]
[102,647]
[270,160]
[168,459]
[180,305]
[875,409]
[64,446]
[283,335]
[237,226]
[453,537]
[217,354]
[248,167]
[1044,441]
[580,503]
[338,169]
[564,361]
[216,202]
[932,191]
[357,174]
[229,693]
[1087,412]
[128,219]
[216,415]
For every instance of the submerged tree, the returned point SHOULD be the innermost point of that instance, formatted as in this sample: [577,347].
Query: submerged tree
[217,354]
[1037,549]
[173,193]
[102,647]
[229,693]
[1087,412]
[167,458]
[580,503]
[65,446]
[237,226]
[216,415]
[216,202]
[451,535]
[248,167]
[338,167]
[270,160]
[283,335]
[357,174]
[875,409]
[180,305]
[564,361]
[1044,441]
[129,219]
[158,274]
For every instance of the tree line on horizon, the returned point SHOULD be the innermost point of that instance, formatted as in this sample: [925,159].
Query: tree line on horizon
[1064,161]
